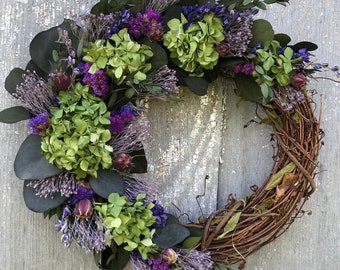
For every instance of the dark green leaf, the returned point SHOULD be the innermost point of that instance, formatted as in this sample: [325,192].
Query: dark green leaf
[41,204]
[112,260]
[33,67]
[43,44]
[159,58]
[30,164]
[170,235]
[101,7]
[171,13]
[230,61]
[14,78]
[304,44]
[283,39]
[262,31]
[140,164]
[194,238]
[198,86]
[14,114]
[107,182]
[248,88]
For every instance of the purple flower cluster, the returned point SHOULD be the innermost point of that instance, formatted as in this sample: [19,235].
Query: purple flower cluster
[289,97]
[196,13]
[149,23]
[119,120]
[303,53]
[98,81]
[82,192]
[39,124]
[158,264]
[159,214]
[246,68]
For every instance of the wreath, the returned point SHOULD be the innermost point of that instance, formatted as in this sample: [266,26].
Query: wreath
[83,95]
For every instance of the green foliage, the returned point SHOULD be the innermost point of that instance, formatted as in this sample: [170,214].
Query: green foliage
[14,78]
[276,178]
[247,4]
[262,31]
[231,224]
[194,48]
[78,135]
[273,68]
[128,223]
[124,60]
[107,182]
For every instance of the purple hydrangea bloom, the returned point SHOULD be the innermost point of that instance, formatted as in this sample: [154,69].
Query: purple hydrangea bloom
[159,214]
[98,81]
[37,125]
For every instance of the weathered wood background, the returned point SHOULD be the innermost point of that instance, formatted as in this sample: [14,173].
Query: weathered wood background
[198,137]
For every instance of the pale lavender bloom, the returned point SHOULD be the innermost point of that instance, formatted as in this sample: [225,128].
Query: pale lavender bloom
[65,183]
[288,97]
[34,93]
[190,259]
[65,39]
[166,78]
[132,138]
[86,234]
[140,184]
[138,264]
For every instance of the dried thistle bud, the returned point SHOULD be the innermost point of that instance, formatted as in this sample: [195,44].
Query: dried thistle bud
[61,80]
[169,256]
[223,49]
[299,80]
[122,162]
[84,209]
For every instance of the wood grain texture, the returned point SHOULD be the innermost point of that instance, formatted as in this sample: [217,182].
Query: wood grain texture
[199,136]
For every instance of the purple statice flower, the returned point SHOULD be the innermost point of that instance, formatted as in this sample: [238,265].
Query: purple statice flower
[97,81]
[39,124]
[195,13]
[160,216]
[140,184]
[34,93]
[149,23]
[86,234]
[303,53]
[64,182]
[82,192]
[137,263]
[166,78]
[132,137]
[194,259]
[120,120]
[245,68]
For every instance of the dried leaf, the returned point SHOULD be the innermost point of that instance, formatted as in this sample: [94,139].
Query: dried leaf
[276,178]
[231,225]
[287,181]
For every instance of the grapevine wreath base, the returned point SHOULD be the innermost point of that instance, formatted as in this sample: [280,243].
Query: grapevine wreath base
[270,210]
[83,94]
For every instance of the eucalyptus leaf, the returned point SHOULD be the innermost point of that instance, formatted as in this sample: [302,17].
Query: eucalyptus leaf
[41,204]
[304,44]
[277,178]
[30,164]
[160,57]
[139,161]
[198,86]
[31,66]
[283,39]
[14,78]
[107,182]
[43,44]
[262,31]
[14,114]
[171,235]
[248,88]
[112,259]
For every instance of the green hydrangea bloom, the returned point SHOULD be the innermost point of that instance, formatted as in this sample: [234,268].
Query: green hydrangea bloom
[194,48]
[78,135]
[120,57]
